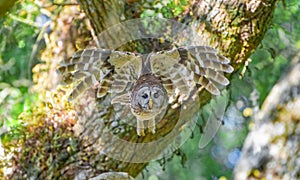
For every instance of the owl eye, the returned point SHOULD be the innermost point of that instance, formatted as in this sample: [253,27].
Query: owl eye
[156,95]
[145,96]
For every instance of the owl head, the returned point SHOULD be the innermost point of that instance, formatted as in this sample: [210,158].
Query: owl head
[147,98]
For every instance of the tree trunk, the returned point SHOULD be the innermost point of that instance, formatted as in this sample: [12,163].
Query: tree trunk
[235,28]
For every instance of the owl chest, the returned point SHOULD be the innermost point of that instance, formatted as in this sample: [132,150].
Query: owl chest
[143,115]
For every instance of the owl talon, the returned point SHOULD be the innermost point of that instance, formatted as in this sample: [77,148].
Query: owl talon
[152,130]
[140,132]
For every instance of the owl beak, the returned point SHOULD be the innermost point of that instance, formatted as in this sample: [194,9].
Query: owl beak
[150,103]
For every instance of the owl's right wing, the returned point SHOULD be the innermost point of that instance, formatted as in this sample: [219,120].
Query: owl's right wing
[100,69]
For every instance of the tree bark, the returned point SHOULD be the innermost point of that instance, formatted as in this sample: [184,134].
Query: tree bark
[234,27]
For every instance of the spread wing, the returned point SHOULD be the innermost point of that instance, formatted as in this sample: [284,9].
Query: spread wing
[104,70]
[185,68]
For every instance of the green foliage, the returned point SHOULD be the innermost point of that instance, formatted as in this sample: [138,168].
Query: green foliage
[166,8]
[17,38]
[277,48]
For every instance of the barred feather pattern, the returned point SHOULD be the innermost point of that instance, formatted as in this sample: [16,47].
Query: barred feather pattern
[113,71]
[189,67]
[97,68]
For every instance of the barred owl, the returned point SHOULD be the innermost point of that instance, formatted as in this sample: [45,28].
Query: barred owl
[147,83]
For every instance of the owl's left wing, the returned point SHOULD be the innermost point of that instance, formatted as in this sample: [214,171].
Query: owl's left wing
[207,65]
[187,69]
[183,69]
